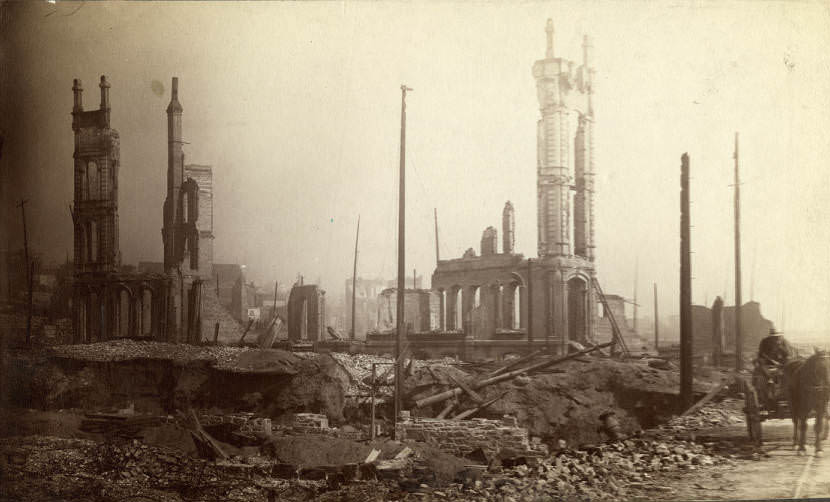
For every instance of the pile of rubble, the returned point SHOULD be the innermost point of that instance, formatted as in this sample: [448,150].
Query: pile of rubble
[727,412]
[221,357]
[607,472]
[359,368]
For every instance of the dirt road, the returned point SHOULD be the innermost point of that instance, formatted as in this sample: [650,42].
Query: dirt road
[775,473]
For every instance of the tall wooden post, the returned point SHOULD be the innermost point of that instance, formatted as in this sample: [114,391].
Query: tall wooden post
[401,262]
[29,271]
[636,274]
[739,336]
[437,255]
[354,279]
[529,297]
[656,323]
[685,288]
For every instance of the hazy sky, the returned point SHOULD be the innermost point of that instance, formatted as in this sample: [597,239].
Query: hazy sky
[297,108]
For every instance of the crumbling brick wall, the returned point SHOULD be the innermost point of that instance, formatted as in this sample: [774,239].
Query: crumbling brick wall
[461,437]
[246,421]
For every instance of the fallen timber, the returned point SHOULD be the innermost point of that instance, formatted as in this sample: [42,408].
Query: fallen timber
[437,398]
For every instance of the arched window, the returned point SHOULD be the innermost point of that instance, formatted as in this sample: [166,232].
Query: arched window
[146,312]
[93,172]
[84,182]
[92,241]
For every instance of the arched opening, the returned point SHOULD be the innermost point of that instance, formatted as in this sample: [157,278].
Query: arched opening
[577,309]
[82,171]
[516,307]
[193,249]
[498,306]
[146,312]
[92,241]
[94,180]
[123,313]
[442,310]
[458,320]
[82,335]
[304,320]
[83,249]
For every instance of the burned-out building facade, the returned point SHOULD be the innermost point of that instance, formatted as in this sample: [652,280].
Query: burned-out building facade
[553,296]
[107,302]
[157,302]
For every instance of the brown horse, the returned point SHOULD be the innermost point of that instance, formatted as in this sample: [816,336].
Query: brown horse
[808,390]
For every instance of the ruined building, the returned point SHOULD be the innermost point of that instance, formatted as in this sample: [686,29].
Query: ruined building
[487,296]
[420,310]
[203,176]
[180,234]
[108,303]
[307,313]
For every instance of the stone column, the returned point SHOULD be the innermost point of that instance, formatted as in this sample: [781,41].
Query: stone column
[442,308]
[496,305]
[467,304]
[452,306]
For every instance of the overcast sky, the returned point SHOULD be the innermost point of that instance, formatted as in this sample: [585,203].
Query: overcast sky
[297,108]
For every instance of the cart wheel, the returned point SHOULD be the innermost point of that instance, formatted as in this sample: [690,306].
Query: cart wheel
[752,410]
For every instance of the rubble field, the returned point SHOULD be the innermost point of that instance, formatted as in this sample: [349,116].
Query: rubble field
[277,425]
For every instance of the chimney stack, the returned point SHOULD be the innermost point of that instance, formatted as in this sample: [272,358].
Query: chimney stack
[105,99]
[78,90]
[549,31]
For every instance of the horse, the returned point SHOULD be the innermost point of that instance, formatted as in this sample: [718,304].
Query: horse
[808,391]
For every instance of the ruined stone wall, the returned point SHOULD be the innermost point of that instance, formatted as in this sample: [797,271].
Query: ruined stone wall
[461,437]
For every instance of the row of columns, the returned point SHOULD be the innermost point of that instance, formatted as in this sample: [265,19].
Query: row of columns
[499,303]
[115,311]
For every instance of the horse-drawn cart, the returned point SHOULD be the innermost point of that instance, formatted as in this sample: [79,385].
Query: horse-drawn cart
[764,397]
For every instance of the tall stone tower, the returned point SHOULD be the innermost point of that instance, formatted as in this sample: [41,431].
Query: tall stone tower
[95,211]
[563,90]
[508,228]
[180,234]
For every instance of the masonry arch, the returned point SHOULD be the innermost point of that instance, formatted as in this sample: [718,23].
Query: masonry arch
[577,287]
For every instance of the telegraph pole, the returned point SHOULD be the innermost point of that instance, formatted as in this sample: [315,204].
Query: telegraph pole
[354,278]
[656,323]
[29,271]
[529,295]
[401,262]
[739,337]
[685,288]
[437,255]
[636,273]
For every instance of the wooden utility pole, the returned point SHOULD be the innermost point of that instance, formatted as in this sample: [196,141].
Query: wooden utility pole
[529,296]
[414,280]
[685,288]
[437,255]
[276,288]
[656,322]
[29,271]
[636,273]
[354,278]
[739,336]
[401,262]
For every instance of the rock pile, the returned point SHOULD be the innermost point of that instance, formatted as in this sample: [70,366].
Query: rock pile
[727,412]
[607,472]
[310,423]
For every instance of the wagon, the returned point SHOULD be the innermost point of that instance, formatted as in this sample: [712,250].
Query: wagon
[764,398]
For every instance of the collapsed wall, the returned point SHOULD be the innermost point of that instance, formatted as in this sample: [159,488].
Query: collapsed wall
[161,378]
[463,437]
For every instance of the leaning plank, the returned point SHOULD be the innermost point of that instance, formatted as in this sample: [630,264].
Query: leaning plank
[475,396]
[473,411]
[437,398]
[705,399]
[515,362]
[447,409]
